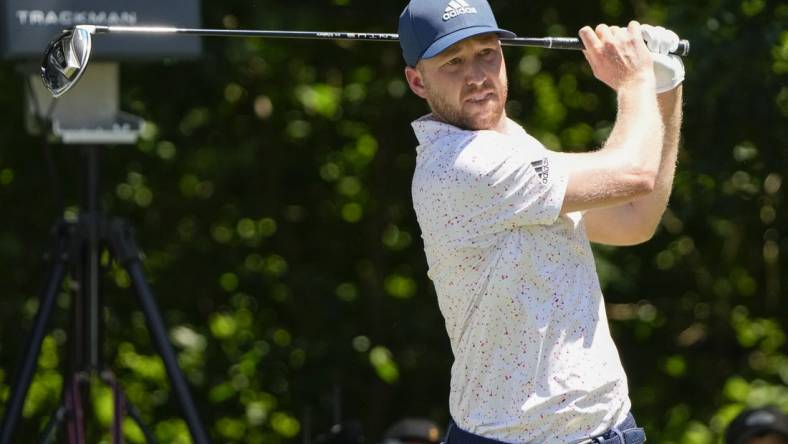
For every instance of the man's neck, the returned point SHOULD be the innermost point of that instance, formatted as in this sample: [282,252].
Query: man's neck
[502,126]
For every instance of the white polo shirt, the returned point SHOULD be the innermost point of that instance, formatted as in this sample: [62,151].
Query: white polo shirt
[517,287]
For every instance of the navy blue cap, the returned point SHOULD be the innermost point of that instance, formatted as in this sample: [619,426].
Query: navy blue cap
[428,27]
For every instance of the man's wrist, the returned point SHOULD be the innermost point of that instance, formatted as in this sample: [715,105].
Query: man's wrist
[636,83]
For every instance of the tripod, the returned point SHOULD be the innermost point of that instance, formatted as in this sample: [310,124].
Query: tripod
[77,246]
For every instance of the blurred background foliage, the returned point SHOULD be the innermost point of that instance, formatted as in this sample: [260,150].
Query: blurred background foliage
[271,194]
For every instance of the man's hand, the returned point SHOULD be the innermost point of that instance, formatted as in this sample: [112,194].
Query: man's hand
[618,56]
[668,69]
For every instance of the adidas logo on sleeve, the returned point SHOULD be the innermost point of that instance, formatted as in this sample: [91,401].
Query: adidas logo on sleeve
[542,168]
[457,8]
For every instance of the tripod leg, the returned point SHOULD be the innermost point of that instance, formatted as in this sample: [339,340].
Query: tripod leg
[28,367]
[127,253]
[119,401]
[68,413]
[135,415]
[118,406]
[159,334]
[123,406]
[57,419]
[76,424]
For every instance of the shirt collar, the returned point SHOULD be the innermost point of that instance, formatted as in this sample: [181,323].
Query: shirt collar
[428,129]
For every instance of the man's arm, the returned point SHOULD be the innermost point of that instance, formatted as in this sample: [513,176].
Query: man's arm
[635,222]
[626,168]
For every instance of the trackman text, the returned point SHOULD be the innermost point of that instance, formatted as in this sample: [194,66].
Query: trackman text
[36,17]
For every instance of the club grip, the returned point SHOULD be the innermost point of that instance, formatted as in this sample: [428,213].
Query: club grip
[574,43]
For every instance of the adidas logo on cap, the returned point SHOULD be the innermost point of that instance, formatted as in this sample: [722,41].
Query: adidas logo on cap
[457,8]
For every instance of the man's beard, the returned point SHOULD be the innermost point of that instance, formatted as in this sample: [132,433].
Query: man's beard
[455,116]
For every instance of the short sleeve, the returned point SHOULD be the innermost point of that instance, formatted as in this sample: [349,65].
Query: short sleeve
[504,182]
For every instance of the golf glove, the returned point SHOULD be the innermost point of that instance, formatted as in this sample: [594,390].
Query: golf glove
[668,68]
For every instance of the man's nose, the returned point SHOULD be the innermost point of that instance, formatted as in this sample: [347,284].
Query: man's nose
[475,75]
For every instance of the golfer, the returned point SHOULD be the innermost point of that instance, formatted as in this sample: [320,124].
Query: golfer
[507,223]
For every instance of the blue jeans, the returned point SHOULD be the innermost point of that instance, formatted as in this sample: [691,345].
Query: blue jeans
[625,433]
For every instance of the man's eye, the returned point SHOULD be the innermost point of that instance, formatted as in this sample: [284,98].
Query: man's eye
[454,61]
[487,51]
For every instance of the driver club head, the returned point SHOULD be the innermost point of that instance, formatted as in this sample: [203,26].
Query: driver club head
[66,59]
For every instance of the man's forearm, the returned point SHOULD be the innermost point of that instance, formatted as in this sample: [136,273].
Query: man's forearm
[638,132]
[653,206]
[626,168]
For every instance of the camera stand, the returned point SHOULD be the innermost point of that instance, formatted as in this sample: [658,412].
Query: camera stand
[77,246]
[76,251]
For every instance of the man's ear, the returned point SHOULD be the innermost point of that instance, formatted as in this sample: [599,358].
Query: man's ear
[416,81]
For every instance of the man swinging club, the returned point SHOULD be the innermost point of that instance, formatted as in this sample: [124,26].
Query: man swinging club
[506,224]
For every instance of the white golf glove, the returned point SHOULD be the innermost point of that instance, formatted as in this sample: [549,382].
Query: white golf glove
[668,68]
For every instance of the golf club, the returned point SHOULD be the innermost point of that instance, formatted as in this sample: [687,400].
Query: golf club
[67,56]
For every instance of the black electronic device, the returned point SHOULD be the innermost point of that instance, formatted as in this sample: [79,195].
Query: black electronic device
[90,117]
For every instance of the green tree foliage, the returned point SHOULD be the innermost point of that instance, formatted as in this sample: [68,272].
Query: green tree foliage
[271,194]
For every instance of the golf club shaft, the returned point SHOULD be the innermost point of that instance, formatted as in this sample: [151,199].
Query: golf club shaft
[542,42]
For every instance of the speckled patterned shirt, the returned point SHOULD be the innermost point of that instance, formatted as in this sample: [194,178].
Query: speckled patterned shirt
[517,286]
